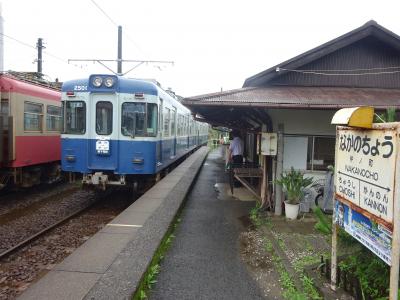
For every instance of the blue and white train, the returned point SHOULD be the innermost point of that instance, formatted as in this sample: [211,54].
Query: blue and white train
[118,131]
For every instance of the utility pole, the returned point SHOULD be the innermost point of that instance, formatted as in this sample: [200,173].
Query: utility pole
[1,39]
[119,63]
[40,47]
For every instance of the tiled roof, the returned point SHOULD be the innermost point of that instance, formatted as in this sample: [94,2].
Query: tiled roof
[371,28]
[300,97]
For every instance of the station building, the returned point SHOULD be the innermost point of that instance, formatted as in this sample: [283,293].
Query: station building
[297,99]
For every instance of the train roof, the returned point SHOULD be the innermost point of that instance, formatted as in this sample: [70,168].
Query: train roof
[123,85]
[17,85]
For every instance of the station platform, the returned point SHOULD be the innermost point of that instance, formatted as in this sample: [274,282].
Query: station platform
[111,264]
[204,259]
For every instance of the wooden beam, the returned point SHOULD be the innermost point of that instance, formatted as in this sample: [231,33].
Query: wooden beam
[248,186]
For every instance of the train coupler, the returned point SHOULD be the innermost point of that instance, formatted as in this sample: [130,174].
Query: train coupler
[102,180]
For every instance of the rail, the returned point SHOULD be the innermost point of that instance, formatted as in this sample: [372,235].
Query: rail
[34,237]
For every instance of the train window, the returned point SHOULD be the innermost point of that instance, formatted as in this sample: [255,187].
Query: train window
[53,118]
[173,121]
[160,117]
[104,111]
[33,116]
[4,112]
[180,125]
[151,119]
[167,116]
[75,117]
[133,119]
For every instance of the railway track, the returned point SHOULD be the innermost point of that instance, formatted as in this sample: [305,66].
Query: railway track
[57,233]
[32,238]
[35,255]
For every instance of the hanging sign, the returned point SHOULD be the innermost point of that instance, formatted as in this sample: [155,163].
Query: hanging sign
[269,143]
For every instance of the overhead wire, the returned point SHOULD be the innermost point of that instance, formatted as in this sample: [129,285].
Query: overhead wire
[346,70]
[104,13]
[116,24]
[35,47]
[18,41]
[323,72]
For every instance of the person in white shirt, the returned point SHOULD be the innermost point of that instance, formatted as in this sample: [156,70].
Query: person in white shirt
[236,148]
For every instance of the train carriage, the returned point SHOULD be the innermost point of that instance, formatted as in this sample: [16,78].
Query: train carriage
[119,131]
[30,127]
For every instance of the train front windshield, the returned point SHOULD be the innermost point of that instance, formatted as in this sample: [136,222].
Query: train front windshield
[134,120]
[75,117]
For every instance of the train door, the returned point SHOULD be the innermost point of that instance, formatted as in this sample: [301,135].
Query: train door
[173,131]
[188,131]
[4,121]
[160,133]
[198,134]
[103,139]
[3,117]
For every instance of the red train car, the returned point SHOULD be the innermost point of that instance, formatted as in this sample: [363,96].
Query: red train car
[30,127]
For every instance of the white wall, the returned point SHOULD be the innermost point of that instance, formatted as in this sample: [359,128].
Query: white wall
[307,122]
[295,152]
[300,124]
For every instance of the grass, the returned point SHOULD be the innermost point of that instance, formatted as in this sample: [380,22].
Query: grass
[150,276]
[290,291]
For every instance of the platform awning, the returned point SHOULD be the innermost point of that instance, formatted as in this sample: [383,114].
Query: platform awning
[247,106]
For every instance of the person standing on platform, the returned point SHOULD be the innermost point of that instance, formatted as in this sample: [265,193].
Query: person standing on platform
[236,148]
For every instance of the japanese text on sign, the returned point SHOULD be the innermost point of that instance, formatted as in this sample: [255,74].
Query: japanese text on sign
[365,169]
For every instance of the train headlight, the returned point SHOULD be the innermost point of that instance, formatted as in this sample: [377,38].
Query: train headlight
[97,81]
[109,82]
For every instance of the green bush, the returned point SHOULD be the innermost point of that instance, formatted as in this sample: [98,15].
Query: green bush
[372,272]
[293,184]
[323,225]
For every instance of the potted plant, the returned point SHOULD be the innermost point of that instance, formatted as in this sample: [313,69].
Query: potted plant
[293,184]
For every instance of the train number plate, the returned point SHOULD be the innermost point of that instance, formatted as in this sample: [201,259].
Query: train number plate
[103,146]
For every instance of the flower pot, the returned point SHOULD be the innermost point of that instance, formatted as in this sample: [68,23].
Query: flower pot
[291,210]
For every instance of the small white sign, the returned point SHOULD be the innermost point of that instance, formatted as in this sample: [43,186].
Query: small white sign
[269,143]
[365,169]
[102,145]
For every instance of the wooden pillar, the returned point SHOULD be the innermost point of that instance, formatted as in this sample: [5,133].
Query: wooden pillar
[279,170]
[264,185]
[334,226]
[395,253]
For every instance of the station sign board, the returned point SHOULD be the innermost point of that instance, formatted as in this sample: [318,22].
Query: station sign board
[365,185]
[365,171]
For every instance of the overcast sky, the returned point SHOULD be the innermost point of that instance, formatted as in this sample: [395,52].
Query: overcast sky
[214,44]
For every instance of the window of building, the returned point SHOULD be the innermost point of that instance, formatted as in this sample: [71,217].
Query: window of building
[133,119]
[313,153]
[33,113]
[53,118]
[75,117]
[321,152]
